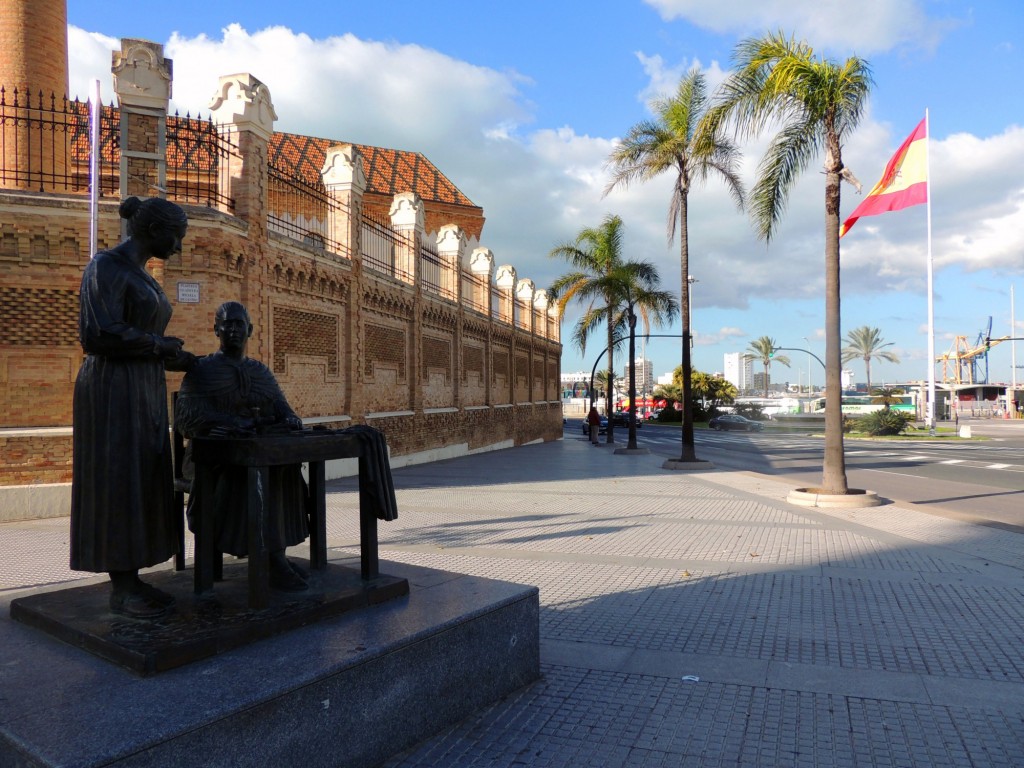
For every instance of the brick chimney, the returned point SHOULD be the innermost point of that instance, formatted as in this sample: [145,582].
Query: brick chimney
[34,46]
[33,63]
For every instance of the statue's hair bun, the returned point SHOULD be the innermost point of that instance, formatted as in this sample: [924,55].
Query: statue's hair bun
[128,207]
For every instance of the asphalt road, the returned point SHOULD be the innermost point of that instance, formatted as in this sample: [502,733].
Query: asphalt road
[981,480]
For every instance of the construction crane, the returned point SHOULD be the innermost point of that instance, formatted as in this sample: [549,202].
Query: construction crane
[968,364]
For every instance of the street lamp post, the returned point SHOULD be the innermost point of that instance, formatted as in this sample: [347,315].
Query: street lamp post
[690,280]
[808,365]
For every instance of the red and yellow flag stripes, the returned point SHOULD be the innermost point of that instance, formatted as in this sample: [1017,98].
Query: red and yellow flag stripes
[904,183]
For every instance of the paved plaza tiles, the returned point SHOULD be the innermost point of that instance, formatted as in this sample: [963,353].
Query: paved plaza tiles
[698,619]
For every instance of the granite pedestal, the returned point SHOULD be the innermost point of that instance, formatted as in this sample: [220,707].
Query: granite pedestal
[202,625]
[350,690]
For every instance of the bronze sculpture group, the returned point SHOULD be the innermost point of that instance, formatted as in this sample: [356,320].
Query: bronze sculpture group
[122,509]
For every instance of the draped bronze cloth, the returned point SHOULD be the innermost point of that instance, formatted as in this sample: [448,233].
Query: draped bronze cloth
[376,480]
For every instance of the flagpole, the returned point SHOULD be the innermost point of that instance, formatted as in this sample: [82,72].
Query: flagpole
[930,417]
[1013,345]
[95,113]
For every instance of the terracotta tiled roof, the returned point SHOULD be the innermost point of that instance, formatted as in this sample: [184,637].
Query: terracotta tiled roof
[388,171]
[191,144]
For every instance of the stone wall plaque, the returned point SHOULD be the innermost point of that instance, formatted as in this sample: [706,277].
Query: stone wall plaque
[188,293]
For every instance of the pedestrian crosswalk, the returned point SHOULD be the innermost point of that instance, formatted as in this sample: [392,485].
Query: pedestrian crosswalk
[979,455]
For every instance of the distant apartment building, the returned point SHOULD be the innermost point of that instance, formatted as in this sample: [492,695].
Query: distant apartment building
[739,371]
[644,375]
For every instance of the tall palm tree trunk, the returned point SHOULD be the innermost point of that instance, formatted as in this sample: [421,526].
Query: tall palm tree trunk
[688,452]
[867,371]
[833,479]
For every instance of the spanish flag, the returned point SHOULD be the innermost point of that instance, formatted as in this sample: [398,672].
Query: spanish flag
[904,183]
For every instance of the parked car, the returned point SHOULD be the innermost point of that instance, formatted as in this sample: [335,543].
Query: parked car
[733,421]
[602,428]
[621,419]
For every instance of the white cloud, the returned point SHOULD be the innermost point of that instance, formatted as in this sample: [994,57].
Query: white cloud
[663,79]
[725,333]
[89,59]
[539,185]
[388,94]
[867,26]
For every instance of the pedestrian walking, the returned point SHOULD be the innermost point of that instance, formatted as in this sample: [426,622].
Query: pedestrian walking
[594,420]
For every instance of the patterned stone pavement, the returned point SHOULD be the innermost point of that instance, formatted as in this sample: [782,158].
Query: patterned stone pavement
[697,618]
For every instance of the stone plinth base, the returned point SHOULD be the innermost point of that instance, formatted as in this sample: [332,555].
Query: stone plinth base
[812,497]
[349,690]
[199,626]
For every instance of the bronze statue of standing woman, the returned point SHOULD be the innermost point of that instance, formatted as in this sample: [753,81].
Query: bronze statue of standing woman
[122,499]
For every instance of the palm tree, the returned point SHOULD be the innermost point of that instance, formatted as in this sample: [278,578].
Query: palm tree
[605,382]
[671,142]
[886,396]
[635,285]
[763,349]
[595,253]
[673,391]
[816,103]
[721,392]
[712,390]
[866,343]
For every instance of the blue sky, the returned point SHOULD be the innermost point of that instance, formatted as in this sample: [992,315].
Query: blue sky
[521,103]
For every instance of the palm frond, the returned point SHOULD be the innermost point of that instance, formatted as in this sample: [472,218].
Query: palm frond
[786,158]
[674,142]
[778,80]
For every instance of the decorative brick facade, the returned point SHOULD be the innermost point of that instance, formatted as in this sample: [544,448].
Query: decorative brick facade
[440,364]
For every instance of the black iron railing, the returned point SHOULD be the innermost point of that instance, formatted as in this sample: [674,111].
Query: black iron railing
[199,159]
[303,211]
[380,246]
[45,144]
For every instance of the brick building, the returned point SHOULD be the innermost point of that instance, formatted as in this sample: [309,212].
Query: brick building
[372,300]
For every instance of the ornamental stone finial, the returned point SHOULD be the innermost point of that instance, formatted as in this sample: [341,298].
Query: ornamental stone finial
[525,290]
[244,101]
[142,76]
[505,277]
[343,167]
[451,239]
[407,211]
[481,262]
